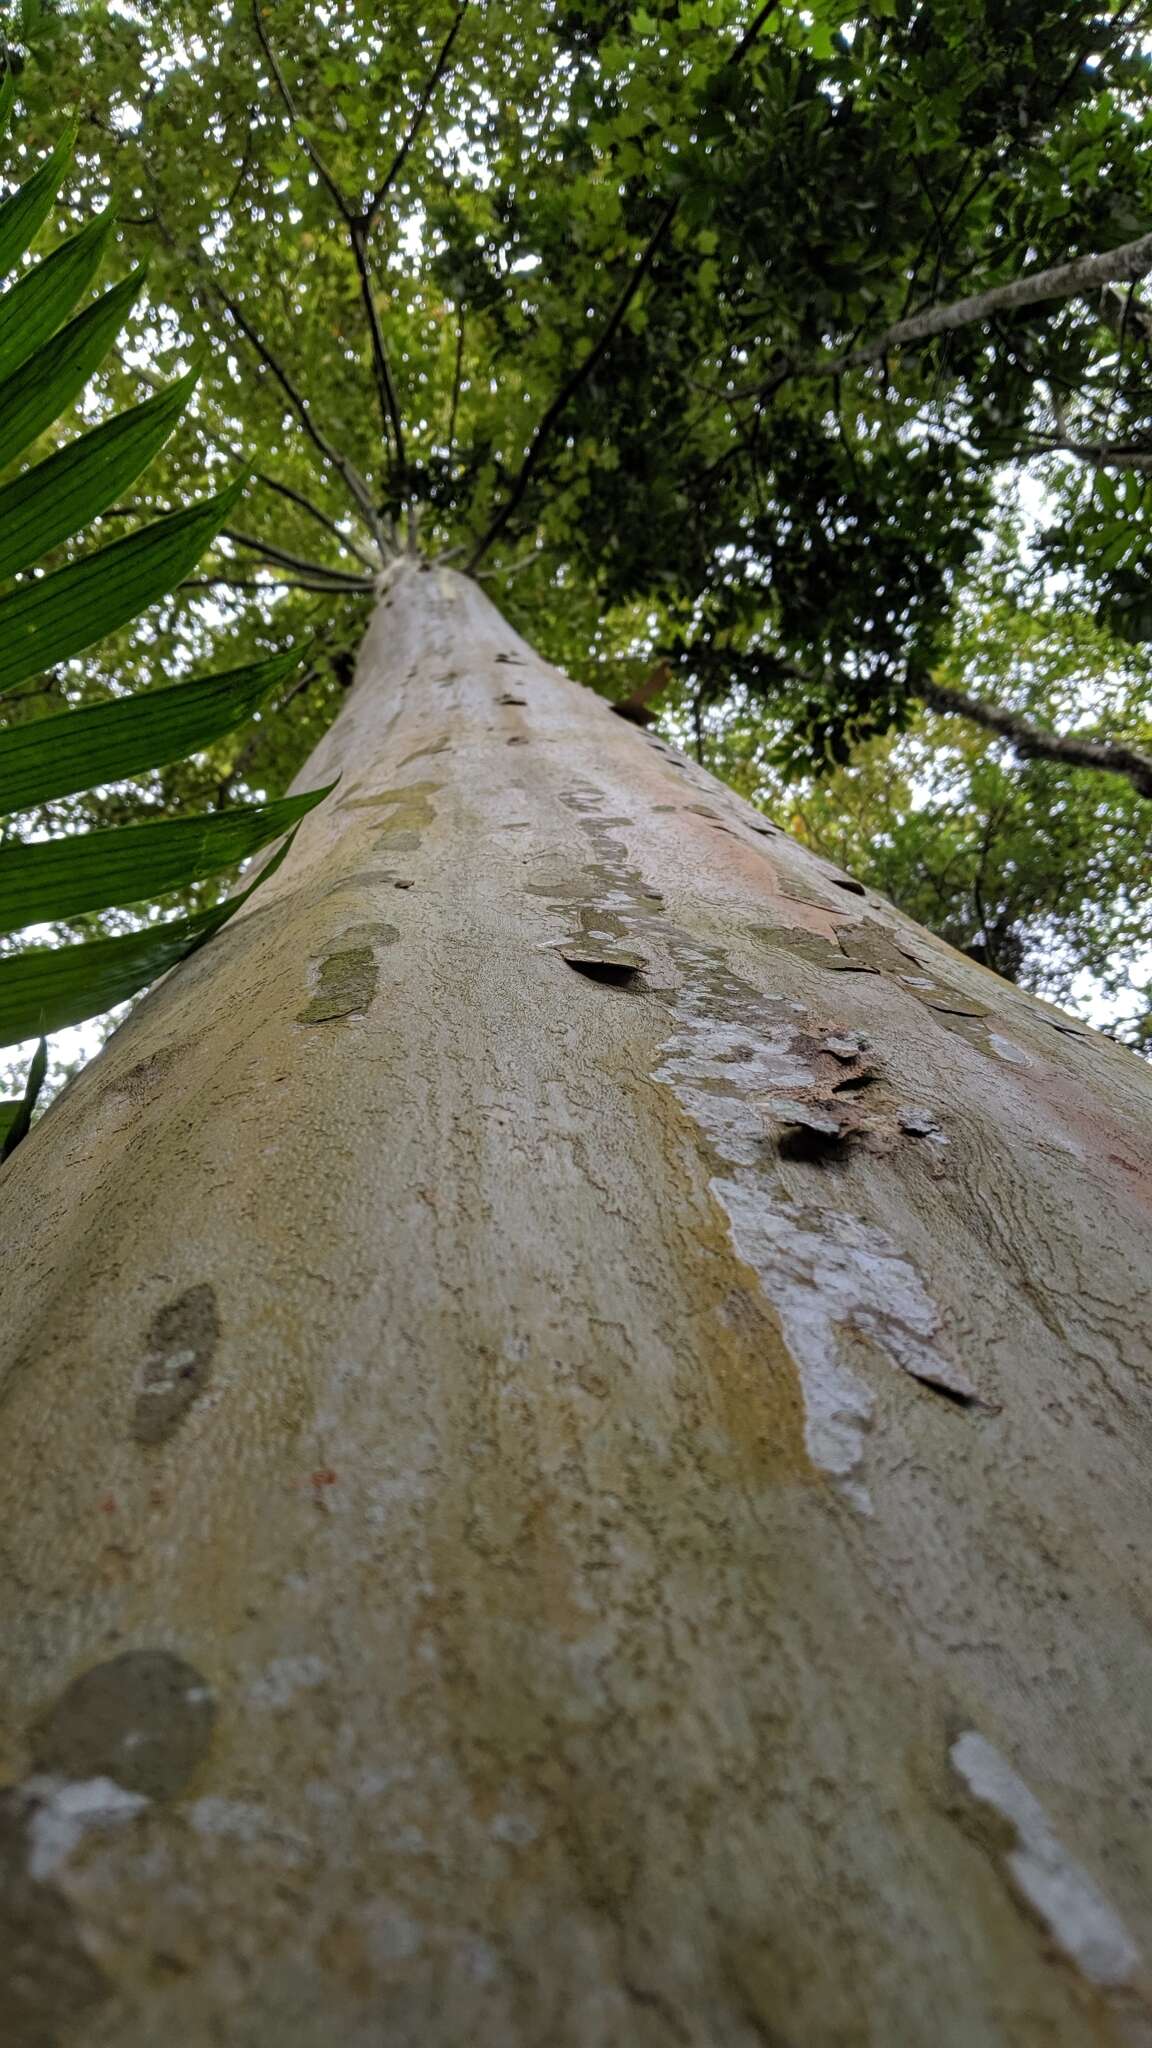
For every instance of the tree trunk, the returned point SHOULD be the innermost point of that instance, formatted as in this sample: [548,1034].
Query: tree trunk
[576,1440]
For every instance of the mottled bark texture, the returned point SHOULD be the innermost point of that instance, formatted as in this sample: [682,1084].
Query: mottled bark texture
[577,1436]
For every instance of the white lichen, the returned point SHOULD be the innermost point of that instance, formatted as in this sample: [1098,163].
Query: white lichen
[1059,1889]
[284,1677]
[63,1811]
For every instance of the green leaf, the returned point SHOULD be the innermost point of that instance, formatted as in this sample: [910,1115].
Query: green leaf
[47,990]
[7,99]
[38,393]
[49,880]
[60,496]
[24,214]
[32,309]
[106,742]
[45,622]
[16,1117]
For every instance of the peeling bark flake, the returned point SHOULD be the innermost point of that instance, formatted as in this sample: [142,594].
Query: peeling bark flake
[1070,1903]
[826,1271]
[823,1271]
[920,1123]
[1007,1049]
[612,970]
[845,1045]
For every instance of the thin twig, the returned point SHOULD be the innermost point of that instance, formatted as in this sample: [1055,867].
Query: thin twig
[317,161]
[358,227]
[574,382]
[289,561]
[296,497]
[357,484]
[584,369]
[456,377]
[417,122]
[535,554]
[245,166]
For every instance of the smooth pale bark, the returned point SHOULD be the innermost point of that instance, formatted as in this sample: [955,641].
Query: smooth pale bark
[576,1441]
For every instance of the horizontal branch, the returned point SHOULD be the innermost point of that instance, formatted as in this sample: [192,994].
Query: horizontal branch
[1063,281]
[270,583]
[1098,454]
[1034,742]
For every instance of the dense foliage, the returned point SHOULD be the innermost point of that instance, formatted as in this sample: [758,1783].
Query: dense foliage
[607,298]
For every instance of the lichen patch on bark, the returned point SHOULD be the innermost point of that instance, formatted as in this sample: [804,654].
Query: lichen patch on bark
[182,1343]
[144,1719]
[739,1062]
[347,984]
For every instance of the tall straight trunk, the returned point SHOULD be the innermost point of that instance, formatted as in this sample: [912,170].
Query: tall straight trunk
[576,1441]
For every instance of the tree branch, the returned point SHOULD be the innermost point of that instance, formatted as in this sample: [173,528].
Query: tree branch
[751,32]
[306,143]
[385,387]
[295,497]
[573,383]
[339,577]
[1064,281]
[260,476]
[1033,742]
[357,484]
[1099,454]
[584,369]
[417,122]
[267,583]
[1122,310]
[358,233]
